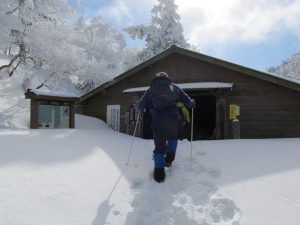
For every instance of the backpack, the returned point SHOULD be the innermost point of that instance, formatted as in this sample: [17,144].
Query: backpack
[162,93]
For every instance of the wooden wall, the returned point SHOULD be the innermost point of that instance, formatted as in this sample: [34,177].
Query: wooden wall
[267,110]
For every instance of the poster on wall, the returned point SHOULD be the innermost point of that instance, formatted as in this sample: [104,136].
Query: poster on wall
[64,116]
[234,111]
[53,116]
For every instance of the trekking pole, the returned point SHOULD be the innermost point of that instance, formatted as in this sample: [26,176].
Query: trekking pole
[132,140]
[124,170]
[192,133]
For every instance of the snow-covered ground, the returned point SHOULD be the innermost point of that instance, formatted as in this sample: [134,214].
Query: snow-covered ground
[80,177]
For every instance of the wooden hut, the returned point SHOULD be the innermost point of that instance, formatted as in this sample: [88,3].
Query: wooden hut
[51,109]
[264,105]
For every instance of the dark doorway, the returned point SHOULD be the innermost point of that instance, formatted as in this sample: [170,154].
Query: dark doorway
[204,117]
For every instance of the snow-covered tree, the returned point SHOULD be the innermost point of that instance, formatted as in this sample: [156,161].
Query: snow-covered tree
[85,54]
[101,42]
[105,52]
[21,22]
[289,68]
[164,31]
[55,53]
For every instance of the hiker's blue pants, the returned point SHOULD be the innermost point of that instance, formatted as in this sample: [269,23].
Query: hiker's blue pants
[165,131]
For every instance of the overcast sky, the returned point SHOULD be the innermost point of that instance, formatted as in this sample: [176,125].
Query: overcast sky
[253,33]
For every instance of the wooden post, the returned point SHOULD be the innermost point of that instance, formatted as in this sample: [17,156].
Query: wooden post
[71,115]
[221,119]
[34,114]
[236,129]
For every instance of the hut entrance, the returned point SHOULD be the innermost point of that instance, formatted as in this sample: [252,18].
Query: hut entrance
[204,117]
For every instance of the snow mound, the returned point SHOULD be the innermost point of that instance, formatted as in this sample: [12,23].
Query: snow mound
[86,122]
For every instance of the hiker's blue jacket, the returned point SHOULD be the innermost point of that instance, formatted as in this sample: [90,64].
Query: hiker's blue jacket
[181,96]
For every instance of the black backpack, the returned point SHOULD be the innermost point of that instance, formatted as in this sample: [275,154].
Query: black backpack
[162,93]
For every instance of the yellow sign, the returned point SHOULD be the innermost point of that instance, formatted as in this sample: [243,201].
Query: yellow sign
[232,111]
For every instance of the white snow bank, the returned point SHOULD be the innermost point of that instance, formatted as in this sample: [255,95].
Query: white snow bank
[261,176]
[85,122]
[79,176]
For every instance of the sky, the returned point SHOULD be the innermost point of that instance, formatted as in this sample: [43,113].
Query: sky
[252,33]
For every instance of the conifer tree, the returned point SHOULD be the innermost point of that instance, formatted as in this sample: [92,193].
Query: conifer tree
[164,31]
[289,68]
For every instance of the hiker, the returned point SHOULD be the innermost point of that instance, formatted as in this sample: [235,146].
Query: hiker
[161,99]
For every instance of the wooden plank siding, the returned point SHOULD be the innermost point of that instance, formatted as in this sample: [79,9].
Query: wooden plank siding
[268,110]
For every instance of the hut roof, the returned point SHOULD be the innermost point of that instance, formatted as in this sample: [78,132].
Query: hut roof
[288,83]
[189,86]
[50,95]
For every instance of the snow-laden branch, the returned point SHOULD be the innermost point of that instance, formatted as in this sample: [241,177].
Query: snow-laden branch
[164,31]
[57,53]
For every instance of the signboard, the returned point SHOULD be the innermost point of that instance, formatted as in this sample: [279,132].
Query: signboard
[234,111]
[131,113]
[53,116]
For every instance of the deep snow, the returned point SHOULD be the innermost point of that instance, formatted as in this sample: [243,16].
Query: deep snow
[80,177]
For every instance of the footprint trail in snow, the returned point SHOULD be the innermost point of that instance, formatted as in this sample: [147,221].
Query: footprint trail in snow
[188,196]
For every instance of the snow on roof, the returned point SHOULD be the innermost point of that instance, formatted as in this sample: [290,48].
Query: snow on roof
[53,93]
[188,86]
[137,89]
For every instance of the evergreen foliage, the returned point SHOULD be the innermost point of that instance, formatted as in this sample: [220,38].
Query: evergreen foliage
[289,68]
[164,31]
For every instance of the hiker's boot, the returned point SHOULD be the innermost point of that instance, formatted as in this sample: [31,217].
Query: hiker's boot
[159,169]
[170,156]
[159,175]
